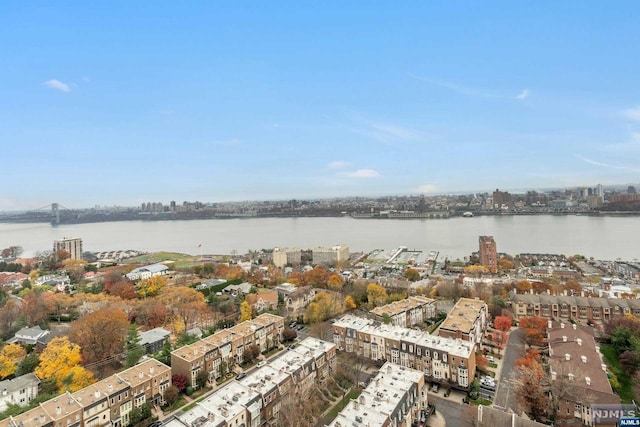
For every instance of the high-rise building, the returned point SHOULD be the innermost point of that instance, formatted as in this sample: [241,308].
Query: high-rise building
[488,254]
[331,256]
[71,245]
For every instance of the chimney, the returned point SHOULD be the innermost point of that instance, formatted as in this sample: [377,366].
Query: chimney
[567,356]
[58,410]
[140,374]
[110,388]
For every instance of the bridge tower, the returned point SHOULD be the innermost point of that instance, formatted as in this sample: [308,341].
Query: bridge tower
[55,214]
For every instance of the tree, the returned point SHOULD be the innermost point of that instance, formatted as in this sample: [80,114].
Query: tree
[60,304]
[60,362]
[75,268]
[349,303]
[101,334]
[11,252]
[28,364]
[151,287]
[35,307]
[10,356]
[133,348]
[411,274]
[289,334]
[376,294]
[151,313]
[534,328]
[531,389]
[186,303]
[482,362]
[523,286]
[335,282]
[245,311]
[180,381]
[124,289]
[171,395]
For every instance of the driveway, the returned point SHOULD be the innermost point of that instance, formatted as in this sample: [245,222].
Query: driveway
[505,398]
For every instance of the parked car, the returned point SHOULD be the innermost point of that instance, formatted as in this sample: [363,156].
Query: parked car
[491,359]
[261,364]
[435,388]
[240,376]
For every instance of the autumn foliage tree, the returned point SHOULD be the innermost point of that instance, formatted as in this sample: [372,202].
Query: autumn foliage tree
[531,386]
[349,303]
[534,328]
[101,334]
[151,287]
[245,311]
[60,362]
[123,288]
[10,357]
[377,294]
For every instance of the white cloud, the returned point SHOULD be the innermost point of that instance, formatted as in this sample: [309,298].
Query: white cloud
[362,173]
[58,85]
[632,113]
[338,164]
[463,90]
[606,165]
[524,94]
[427,188]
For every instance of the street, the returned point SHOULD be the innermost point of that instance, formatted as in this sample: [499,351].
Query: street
[505,398]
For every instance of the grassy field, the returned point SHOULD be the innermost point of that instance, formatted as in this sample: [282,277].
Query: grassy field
[178,260]
[625,389]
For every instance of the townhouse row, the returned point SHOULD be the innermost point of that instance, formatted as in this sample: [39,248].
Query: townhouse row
[267,394]
[216,354]
[396,397]
[444,360]
[407,312]
[573,308]
[107,402]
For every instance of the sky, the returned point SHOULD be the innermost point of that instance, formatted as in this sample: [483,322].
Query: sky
[120,102]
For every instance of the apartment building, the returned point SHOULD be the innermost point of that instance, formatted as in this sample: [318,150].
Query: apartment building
[72,245]
[467,321]
[286,256]
[397,397]
[259,398]
[331,256]
[445,360]
[572,308]
[577,368]
[488,253]
[107,402]
[220,351]
[408,312]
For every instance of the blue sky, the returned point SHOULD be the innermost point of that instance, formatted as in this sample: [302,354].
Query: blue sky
[124,102]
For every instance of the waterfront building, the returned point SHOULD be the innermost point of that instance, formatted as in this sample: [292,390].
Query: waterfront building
[449,361]
[408,312]
[71,245]
[331,256]
[216,354]
[488,253]
[396,396]
[286,256]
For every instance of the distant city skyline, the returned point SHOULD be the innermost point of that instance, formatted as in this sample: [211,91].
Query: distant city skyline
[119,104]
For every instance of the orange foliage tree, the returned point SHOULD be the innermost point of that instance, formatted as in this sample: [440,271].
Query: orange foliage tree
[100,334]
[60,361]
[534,328]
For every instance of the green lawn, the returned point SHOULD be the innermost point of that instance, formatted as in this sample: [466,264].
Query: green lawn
[179,260]
[625,389]
[333,413]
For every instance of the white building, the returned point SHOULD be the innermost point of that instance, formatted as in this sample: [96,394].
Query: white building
[71,245]
[148,271]
[18,391]
[286,256]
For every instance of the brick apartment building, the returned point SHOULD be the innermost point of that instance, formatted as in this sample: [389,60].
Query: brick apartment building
[449,361]
[572,308]
[467,321]
[408,312]
[220,351]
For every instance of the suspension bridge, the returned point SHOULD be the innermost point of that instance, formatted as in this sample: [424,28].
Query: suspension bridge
[50,213]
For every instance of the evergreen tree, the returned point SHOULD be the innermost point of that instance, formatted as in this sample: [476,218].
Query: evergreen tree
[132,346]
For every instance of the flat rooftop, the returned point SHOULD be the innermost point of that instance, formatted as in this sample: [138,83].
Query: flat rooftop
[402,306]
[463,315]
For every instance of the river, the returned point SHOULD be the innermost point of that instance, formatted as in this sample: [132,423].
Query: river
[599,237]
